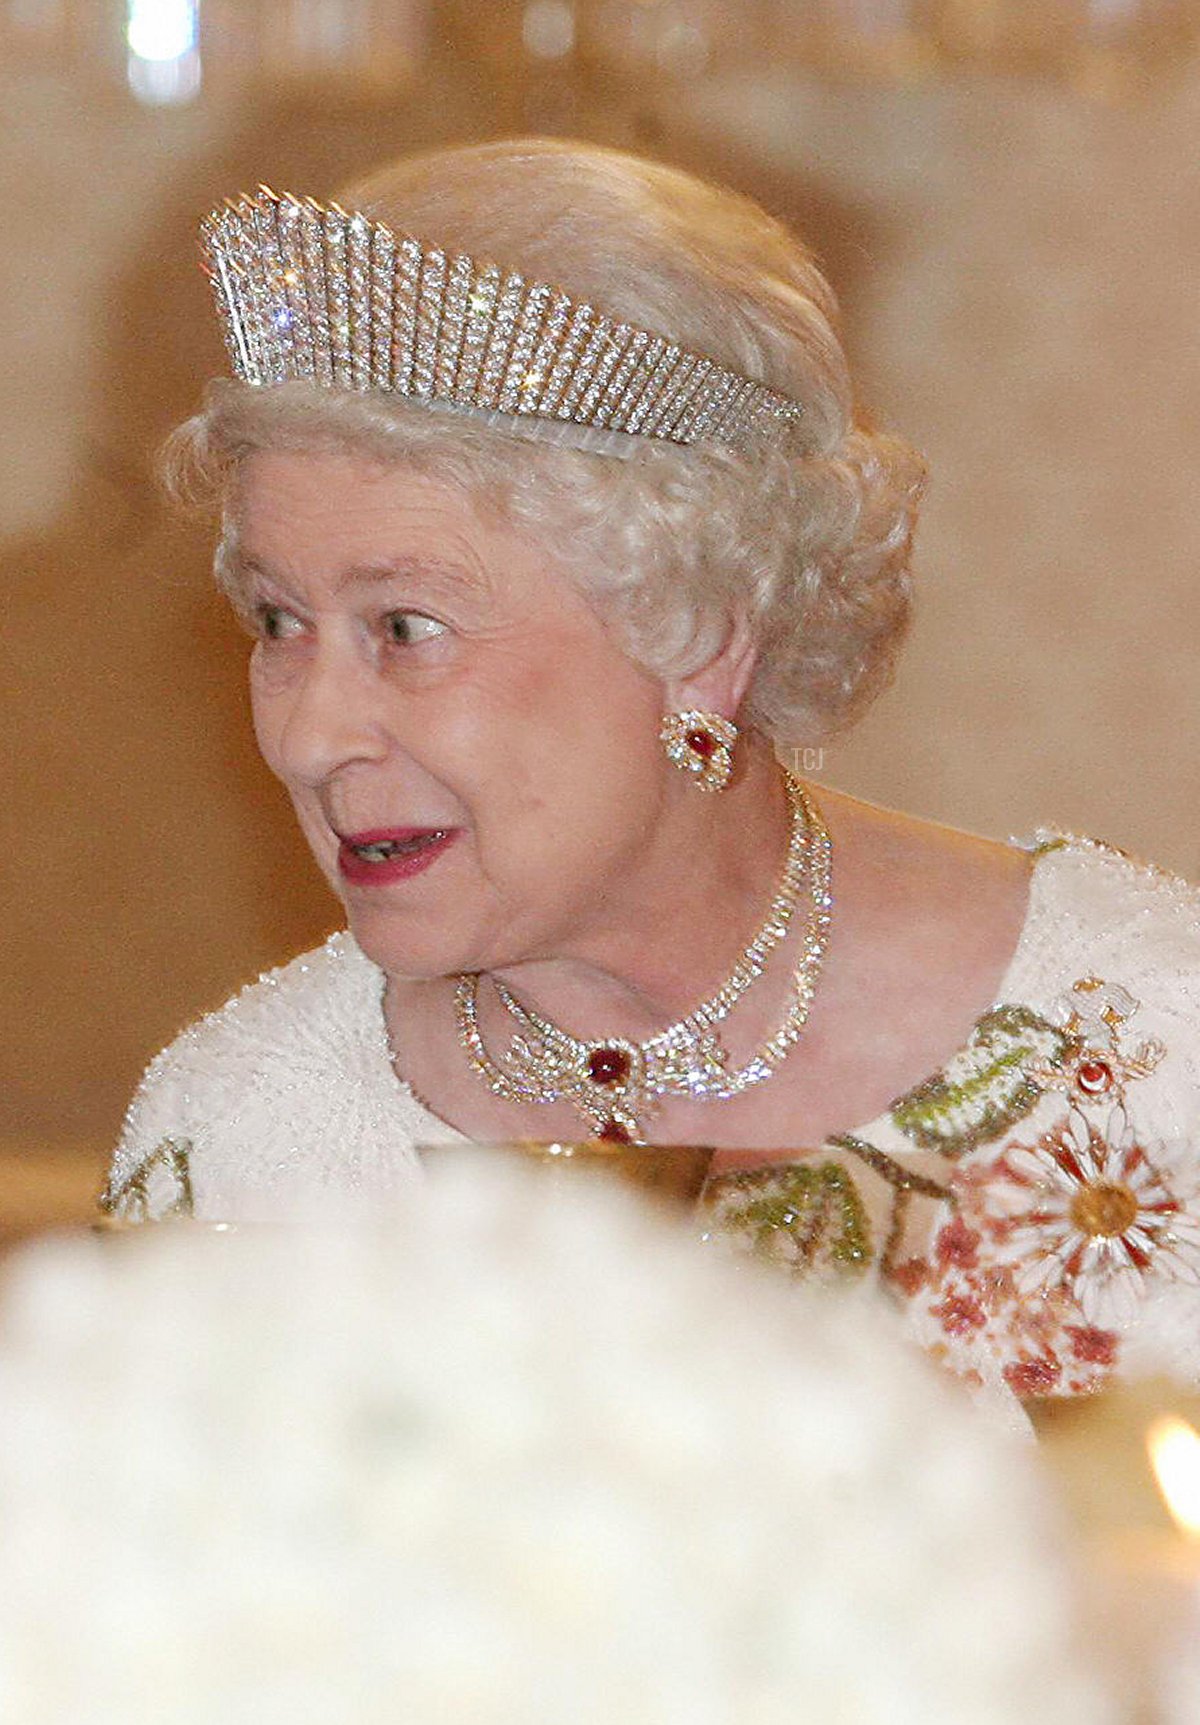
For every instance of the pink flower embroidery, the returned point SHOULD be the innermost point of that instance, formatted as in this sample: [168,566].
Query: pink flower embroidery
[1094,1347]
[959,1314]
[958,1245]
[1088,1211]
[1029,1379]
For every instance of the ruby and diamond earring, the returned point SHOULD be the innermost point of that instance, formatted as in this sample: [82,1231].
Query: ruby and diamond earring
[701,744]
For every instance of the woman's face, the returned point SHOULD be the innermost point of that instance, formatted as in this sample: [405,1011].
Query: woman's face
[473,761]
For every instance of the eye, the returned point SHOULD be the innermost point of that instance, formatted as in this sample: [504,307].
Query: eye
[273,622]
[408,628]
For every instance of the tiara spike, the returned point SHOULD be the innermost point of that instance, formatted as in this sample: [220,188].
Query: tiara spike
[292,351]
[383,270]
[677,380]
[579,327]
[404,338]
[714,407]
[688,403]
[250,291]
[584,369]
[337,295]
[520,391]
[358,282]
[481,307]
[502,324]
[268,289]
[314,291]
[616,341]
[656,385]
[288,213]
[624,419]
[610,404]
[217,265]
[454,327]
[733,418]
[310,261]
[431,293]
[556,314]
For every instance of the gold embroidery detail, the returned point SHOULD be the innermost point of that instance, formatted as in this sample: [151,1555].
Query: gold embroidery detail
[1104,1209]
[901,1204]
[906,1184]
[895,1173]
[1096,1069]
[129,1199]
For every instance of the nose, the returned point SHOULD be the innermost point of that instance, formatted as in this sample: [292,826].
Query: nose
[328,717]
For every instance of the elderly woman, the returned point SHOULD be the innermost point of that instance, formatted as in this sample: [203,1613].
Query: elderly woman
[543,560]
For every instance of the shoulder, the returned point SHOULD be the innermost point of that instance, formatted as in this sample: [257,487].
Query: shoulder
[288,1077]
[308,1006]
[1098,910]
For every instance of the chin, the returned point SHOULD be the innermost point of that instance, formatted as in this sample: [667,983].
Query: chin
[414,954]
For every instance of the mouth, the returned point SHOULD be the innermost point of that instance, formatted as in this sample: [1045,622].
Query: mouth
[391,853]
[375,847]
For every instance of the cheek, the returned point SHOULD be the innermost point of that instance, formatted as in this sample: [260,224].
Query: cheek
[558,758]
[267,710]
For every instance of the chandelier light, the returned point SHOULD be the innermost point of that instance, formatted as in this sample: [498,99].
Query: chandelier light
[163,41]
[1102,47]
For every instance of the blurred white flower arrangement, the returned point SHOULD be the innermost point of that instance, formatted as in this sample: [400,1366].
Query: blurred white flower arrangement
[522,1454]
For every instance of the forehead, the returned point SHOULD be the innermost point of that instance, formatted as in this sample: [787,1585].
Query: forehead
[327,515]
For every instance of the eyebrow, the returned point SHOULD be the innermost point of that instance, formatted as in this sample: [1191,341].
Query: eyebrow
[431,571]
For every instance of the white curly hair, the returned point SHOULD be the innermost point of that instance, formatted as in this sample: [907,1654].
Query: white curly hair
[808,539]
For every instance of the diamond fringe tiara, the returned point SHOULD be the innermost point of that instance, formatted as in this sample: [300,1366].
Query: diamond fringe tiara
[309,290]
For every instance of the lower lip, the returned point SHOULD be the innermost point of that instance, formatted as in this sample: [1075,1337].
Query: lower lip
[354,869]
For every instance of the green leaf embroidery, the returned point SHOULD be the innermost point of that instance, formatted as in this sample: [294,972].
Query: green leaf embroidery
[988,1086]
[797,1216]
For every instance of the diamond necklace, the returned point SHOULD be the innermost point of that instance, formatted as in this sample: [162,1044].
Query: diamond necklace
[613,1082]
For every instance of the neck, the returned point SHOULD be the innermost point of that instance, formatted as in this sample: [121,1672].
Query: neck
[681,925]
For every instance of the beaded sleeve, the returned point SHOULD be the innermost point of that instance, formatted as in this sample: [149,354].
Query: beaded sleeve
[284,1093]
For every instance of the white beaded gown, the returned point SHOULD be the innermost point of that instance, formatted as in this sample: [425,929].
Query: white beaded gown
[1023,1202]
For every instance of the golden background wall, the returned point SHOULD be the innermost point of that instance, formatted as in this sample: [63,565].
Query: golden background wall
[1019,267]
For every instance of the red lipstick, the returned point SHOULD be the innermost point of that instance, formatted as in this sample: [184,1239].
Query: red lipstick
[387,854]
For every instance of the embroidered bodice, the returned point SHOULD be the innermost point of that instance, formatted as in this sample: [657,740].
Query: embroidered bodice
[1020,1201]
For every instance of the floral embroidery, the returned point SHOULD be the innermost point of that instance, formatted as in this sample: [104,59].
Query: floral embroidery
[1044,1243]
[167,1166]
[909,1276]
[798,1216]
[1094,1014]
[1036,1377]
[1096,1347]
[972,1315]
[959,1314]
[957,1245]
[1087,1209]
[1049,1253]
[1019,1257]
[987,1087]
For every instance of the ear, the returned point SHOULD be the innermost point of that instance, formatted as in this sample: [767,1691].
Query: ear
[719,685]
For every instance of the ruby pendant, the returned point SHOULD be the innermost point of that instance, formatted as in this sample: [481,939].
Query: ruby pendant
[608,1065]
[612,1132]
